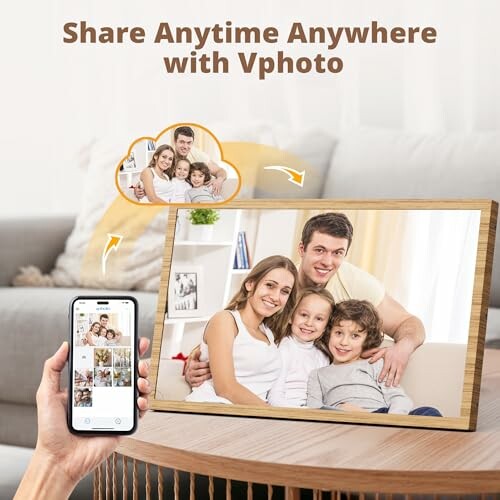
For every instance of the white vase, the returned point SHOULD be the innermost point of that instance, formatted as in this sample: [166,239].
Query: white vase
[200,232]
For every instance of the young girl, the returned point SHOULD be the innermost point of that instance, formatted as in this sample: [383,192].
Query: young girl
[101,340]
[157,184]
[351,383]
[112,338]
[179,175]
[199,175]
[239,341]
[300,349]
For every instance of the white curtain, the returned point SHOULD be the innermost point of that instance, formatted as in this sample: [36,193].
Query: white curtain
[426,260]
[440,258]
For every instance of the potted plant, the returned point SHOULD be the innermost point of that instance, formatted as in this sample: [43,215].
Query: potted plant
[202,223]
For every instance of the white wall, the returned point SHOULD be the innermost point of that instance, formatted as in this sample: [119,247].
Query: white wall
[57,98]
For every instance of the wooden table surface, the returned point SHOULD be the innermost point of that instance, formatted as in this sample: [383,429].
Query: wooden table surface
[331,456]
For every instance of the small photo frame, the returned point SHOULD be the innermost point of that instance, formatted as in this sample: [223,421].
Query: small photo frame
[129,164]
[185,297]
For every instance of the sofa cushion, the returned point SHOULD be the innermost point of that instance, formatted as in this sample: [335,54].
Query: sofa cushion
[371,163]
[141,268]
[309,151]
[34,323]
[31,241]
[18,426]
[428,384]
[170,382]
[424,380]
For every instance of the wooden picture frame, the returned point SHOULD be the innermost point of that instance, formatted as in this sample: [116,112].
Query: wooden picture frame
[167,365]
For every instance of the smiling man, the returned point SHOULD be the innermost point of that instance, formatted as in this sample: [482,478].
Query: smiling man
[324,244]
[325,240]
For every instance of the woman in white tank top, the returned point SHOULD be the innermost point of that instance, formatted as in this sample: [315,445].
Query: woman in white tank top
[155,177]
[239,341]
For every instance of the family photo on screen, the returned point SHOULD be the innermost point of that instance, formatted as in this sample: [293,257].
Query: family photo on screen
[347,311]
[309,336]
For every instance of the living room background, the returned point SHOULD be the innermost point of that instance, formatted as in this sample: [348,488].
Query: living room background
[85,94]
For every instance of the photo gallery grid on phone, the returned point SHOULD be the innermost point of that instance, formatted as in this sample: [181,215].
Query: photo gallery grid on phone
[102,355]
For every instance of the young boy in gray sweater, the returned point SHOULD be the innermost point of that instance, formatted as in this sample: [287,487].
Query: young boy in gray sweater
[199,175]
[351,383]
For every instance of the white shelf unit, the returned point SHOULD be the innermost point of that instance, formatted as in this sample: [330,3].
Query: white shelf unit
[266,235]
[215,258]
[127,179]
[142,155]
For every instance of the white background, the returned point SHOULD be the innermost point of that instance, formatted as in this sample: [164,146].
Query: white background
[58,98]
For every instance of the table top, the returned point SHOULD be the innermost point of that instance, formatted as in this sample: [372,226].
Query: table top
[331,455]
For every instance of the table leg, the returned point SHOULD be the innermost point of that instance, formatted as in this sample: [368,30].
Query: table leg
[292,493]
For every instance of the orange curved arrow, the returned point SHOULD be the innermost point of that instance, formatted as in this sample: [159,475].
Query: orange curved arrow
[295,177]
[113,243]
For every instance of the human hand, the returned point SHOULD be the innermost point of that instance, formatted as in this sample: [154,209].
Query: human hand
[196,371]
[396,358]
[74,456]
[216,185]
[350,407]
[139,192]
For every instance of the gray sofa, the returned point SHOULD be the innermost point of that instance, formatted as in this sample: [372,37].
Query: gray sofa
[366,164]
[34,321]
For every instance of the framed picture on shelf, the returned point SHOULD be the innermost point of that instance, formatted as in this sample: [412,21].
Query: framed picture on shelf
[185,297]
[428,261]
[129,164]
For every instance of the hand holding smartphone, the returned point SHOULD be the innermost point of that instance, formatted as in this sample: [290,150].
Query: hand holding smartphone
[103,365]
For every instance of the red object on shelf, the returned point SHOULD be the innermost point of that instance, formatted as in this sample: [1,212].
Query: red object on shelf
[180,356]
[183,358]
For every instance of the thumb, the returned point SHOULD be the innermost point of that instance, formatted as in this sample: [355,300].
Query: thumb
[53,367]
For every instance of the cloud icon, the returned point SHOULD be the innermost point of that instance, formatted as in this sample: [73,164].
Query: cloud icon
[183,165]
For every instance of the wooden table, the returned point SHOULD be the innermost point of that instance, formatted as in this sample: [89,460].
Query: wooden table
[328,456]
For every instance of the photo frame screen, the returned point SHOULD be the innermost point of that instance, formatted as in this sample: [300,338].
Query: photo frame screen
[423,261]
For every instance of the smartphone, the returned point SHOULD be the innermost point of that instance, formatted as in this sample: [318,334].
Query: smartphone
[103,359]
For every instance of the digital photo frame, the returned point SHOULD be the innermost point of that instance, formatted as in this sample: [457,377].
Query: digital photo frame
[432,257]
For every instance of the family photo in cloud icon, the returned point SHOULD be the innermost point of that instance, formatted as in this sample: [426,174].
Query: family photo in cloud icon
[184,164]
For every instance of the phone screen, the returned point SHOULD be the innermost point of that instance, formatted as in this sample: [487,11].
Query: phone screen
[103,364]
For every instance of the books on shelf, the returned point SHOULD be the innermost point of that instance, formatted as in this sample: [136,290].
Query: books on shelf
[241,256]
